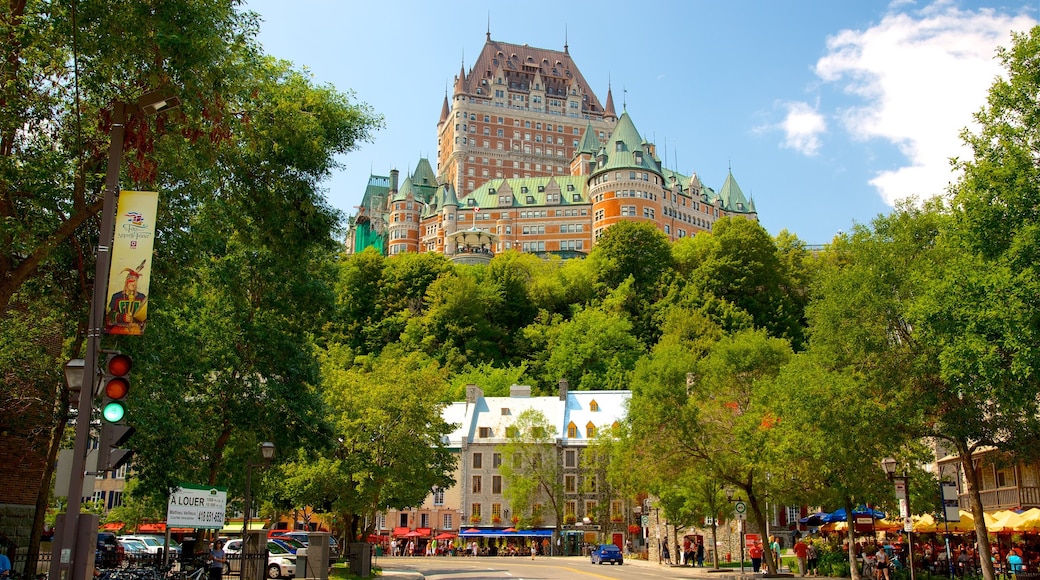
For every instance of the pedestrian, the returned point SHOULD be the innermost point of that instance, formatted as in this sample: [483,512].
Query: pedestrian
[801,552]
[664,554]
[5,565]
[774,547]
[534,549]
[881,564]
[217,559]
[755,551]
[687,551]
[700,553]
[812,560]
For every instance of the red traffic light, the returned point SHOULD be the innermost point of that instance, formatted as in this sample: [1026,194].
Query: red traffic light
[119,365]
[117,388]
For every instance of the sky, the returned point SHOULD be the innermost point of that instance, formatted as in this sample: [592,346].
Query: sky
[827,113]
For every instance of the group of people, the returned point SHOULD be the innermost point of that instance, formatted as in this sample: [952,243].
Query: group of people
[693,552]
[756,551]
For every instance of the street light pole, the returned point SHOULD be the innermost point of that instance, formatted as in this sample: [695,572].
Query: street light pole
[902,488]
[267,452]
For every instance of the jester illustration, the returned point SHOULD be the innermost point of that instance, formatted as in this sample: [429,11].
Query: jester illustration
[127,309]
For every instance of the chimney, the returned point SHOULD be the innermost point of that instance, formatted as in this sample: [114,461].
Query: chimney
[473,392]
[564,387]
[393,180]
[520,391]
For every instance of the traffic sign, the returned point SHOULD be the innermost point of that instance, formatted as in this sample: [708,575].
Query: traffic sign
[740,507]
[646,521]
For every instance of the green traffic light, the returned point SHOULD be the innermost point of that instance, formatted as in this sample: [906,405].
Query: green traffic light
[113,412]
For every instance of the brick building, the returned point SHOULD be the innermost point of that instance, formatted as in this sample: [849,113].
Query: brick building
[529,159]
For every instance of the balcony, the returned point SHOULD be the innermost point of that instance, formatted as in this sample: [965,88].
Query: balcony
[1003,498]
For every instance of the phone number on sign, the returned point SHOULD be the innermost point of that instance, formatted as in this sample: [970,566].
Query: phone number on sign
[209,517]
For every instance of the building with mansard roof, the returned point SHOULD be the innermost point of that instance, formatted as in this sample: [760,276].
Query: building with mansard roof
[530,159]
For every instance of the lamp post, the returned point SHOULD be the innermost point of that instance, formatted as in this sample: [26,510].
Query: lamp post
[740,523]
[267,451]
[946,519]
[73,550]
[902,486]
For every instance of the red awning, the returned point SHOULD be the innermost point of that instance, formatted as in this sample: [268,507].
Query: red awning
[113,526]
[401,532]
[424,532]
[152,528]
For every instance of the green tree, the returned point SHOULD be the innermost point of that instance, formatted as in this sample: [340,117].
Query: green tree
[594,350]
[531,468]
[740,263]
[388,434]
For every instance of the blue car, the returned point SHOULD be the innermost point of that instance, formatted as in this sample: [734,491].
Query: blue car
[607,553]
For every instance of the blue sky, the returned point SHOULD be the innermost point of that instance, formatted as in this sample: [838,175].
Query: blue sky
[828,112]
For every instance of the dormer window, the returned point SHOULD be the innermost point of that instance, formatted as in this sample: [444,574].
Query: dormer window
[594,406]
[523,189]
[530,199]
[570,187]
[619,146]
[639,156]
[541,188]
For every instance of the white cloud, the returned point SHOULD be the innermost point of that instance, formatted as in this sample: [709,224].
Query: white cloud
[919,77]
[802,127]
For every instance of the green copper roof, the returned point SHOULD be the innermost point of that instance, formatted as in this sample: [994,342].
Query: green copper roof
[424,181]
[375,193]
[589,141]
[524,189]
[624,149]
[406,189]
[732,198]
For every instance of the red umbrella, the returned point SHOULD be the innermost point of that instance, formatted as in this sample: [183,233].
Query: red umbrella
[472,531]
[444,536]
[508,530]
[412,534]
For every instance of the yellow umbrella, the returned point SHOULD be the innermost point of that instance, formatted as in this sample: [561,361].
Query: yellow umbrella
[965,524]
[1028,521]
[925,524]
[1005,522]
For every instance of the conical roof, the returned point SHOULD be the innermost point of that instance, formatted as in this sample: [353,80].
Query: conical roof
[624,148]
[589,142]
[732,197]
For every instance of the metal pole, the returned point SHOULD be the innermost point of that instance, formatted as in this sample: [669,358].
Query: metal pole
[65,553]
[248,500]
[740,530]
[946,523]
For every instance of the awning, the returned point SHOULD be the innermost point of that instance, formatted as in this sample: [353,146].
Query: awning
[112,526]
[151,528]
[424,532]
[402,531]
[236,527]
[501,533]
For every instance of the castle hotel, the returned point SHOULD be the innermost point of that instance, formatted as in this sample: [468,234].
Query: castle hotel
[529,158]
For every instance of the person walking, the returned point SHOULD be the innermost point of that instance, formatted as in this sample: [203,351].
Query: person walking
[217,559]
[801,552]
[534,549]
[700,553]
[812,560]
[881,562]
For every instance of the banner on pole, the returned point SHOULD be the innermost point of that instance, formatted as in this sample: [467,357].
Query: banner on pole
[130,270]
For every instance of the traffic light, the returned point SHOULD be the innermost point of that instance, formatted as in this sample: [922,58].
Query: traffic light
[114,432]
[115,387]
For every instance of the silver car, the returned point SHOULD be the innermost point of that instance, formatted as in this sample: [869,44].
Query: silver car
[281,563]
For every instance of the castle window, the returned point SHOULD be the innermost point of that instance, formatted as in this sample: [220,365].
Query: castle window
[570,187]
[530,199]
[523,189]
[541,188]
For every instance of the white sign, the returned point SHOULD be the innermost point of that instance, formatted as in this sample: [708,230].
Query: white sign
[908,524]
[197,507]
[740,507]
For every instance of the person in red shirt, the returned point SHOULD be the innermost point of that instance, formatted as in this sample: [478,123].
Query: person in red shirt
[755,551]
[801,551]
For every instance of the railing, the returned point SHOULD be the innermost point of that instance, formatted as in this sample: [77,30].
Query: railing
[1004,498]
[43,564]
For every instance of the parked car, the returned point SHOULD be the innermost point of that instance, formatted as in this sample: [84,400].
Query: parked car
[303,538]
[288,543]
[281,563]
[134,551]
[607,553]
[108,550]
[155,543]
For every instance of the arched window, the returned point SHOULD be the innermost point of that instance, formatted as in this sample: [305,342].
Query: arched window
[572,430]
[590,430]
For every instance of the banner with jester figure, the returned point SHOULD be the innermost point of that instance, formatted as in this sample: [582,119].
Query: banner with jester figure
[129,273]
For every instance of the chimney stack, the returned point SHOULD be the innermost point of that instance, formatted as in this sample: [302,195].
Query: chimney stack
[564,387]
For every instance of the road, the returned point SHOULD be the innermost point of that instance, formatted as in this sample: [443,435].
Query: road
[541,568]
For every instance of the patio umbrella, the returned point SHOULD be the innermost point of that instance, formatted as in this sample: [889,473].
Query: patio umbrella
[472,531]
[509,530]
[839,515]
[1029,521]
[412,534]
[444,536]
[813,520]
[1005,522]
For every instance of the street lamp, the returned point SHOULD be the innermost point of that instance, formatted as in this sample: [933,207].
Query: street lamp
[267,452]
[902,485]
[740,524]
[73,549]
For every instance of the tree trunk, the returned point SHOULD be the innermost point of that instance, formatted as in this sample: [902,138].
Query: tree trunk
[851,521]
[975,498]
[760,520]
